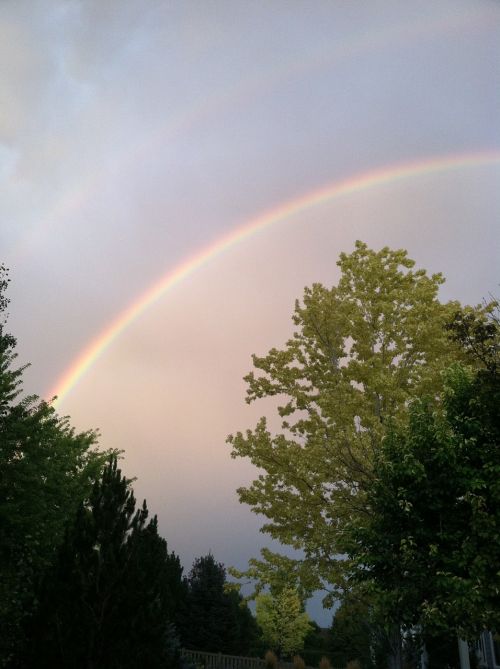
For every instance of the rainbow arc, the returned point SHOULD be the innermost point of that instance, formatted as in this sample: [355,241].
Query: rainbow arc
[328,193]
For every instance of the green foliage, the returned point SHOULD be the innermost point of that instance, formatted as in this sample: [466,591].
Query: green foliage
[430,548]
[360,352]
[476,331]
[4,300]
[111,597]
[216,618]
[276,572]
[283,622]
[46,469]
[356,635]
[442,651]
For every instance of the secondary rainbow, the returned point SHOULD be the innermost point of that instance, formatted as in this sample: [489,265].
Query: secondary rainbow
[354,184]
[226,101]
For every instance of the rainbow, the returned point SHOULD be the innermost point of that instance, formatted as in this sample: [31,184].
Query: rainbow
[243,93]
[354,184]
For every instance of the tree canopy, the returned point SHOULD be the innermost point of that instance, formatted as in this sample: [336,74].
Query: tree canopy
[430,546]
[360,352]
[46,469]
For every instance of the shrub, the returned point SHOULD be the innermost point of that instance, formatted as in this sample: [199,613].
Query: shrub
[353,664]
[298,662]
[271,660]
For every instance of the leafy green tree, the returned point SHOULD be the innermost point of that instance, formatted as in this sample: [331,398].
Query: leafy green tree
[217,619]
[356,635]
[477,331]
[430,547]
[283,622]
[275,572]
[111,599]
[361,350]
[46,469]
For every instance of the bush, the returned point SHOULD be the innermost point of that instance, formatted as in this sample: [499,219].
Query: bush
[353,664]
[271,660]
[313,656]
[298,662]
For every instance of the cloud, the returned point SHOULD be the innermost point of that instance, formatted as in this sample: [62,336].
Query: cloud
[27,69]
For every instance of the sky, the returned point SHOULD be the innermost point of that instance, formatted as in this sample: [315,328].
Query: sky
[172,174]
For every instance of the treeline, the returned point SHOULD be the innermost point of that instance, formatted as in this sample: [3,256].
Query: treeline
[86,579]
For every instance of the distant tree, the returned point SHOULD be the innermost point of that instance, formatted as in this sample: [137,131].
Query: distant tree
[356,635]
[315,645]
[283,621]
[46,469]
[111,599]
[217,619]
[274,572]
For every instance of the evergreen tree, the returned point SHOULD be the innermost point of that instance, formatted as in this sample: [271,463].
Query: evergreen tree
[46,469]
[111,599]
[355,634]
[216,619]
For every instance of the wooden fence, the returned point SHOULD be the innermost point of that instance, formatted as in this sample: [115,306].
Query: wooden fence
[220,661]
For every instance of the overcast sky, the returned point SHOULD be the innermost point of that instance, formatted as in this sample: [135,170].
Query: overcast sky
[135,134]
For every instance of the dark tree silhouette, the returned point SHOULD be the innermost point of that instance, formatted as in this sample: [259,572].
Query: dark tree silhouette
[216,620]
[111,599]
[46,469]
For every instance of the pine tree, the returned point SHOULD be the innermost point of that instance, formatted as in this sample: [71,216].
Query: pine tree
[216,620]
[111,598]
